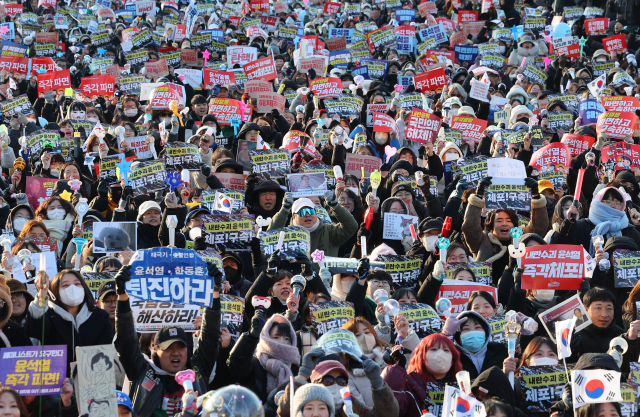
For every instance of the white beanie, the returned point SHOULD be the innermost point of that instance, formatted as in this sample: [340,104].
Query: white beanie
[146,206]
[310,392]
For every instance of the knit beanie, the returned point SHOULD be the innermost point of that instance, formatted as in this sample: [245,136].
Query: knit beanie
[310,392]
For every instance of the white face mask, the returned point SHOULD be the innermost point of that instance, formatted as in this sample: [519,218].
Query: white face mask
[331,26]
[543,361]
[380,138]
[95,149]
[544,296]
[354,189]
[18,224]
[430,243]
[439,361]
[367,342]
[502,49]
[72,296]
[131,112]
[453,112]
[54,172]
[56,214]
[336,394]
[78,115]
[451,157]
[93,119]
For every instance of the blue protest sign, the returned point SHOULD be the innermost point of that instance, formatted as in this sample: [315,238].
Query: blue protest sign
[589,110]
[405,15]
[405,44]
[466,53]
[170,275]
[364,71]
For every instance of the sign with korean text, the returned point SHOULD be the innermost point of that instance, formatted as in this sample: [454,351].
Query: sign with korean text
[616,124]
[459,293]
[355,163]
[224,109]
[470,127]
[577,143]
[34,370]
[262,69]
[151,316]
[101,85]
[55,80]
[326,87]
[330,315]
[431,82]
[554,267]
[616,43]
[626,266]
[423,126]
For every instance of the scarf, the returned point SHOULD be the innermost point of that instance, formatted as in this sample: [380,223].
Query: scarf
[312,228]
[607,220]
[276,358]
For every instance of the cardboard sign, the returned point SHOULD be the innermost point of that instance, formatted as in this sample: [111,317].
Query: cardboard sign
[616,43]
[95,385]
[225,109]
[381,38]
[270,101]
[102,85]
[431,82]
[620,155]
[470,127]
[326,87]
[617,124]
[620,103]
[577,143]
[55,80]
[422,126]
[596,27]
[34,370]
[189,56]
[157,69]
[553,157]
[355,163]
[427,7]
[337,44]
[312,62]
[241,55]
[555,267]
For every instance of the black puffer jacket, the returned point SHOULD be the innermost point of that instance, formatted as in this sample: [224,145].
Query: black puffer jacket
[495,383]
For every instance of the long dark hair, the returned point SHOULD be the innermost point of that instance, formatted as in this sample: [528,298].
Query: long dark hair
[21,405]
[533,347]
[55,289]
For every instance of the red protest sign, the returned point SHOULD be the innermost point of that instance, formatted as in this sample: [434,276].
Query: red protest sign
[448,24]
[620,155]
[442,55]
[459,294]
[553,157]
[188,56]
[423,126]
[224,109]
[577,143]
[40,63]
[570,51]
[472,28]
[102,85]
[39,189]
[270,101]
[470,127]
[355,163]
[384,123]
[233,181]
[616,124]
[431,82]
[337,44]
[12,9]
[331,8]
[47,37]
[280,7]
[113,70]
[457,38]
[15,64]
[260,5]
[326,87]
[215,77]
[621,103]
[465,16]
[615,43]
[162,96]
[157,68]
[254,87]
[262,69]
[553,267]
[313,41]
[48,3]
[55,80]
[596,26]
[181,33]
[427,7]
[312,62]
[405,30]
[294,140]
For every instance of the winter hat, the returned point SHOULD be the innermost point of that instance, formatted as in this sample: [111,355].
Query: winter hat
[620,242]
[146,206]
[602,192]
[17,287]
[518,111]
[545,185]
[466,110]
[382,249]
[326,366]
[300,204]
[5,295]
[516,90]
[310,392]
[430,223]
[600,52]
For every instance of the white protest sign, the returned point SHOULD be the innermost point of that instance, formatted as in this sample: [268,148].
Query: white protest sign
[398,226]
[506,171]
[192,77]
[479,91]
[52,265]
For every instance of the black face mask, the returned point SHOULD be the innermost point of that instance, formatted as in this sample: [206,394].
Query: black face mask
[231,274]
[524,120]
[265,130]
[116,193]
[301,81]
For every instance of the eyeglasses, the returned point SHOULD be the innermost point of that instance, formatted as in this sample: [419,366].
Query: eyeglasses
[307,211]
[112,302]
[345,200]
[380,283]
[17,296]
[614,203]
[328,380]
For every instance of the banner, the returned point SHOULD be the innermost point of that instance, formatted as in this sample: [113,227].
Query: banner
[422,126]
[262,69]
[330,315]
[34,370]
[170,275]
[151,316]
[470,127]
[617,124]
[102,85]
[556,267]
[626,265]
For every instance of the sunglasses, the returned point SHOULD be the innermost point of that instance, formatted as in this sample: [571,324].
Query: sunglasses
[328,380]
[306,212]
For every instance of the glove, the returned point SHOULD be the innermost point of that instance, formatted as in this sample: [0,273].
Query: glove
[274,261]
[275,114]
[309,362]
[199,243]
[363,231]
[532,185]
[123,275]
[305,263]
[325,276]
[103,187]
[127,193]
[215,273]
[482,185]
[452,325]
[372,370]
[331,199]
[584,286]
[206,170]
[422,152]
[256,251]
[517,278]
[22,199]
[567,392]
[438,271]
[461,187]
[257,323]
[363,268]
[287,203]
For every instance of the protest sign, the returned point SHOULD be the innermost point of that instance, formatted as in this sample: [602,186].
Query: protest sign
[577,143]
[272,161]
[101,85]
[34,370]
[620,103]
[339,341]
[296,238]
[95,385]
[384,123]
[232,309]
[15,106]
[405,270]
[534,75]
[225,110]
[620,155]
[398,226]
[111,237]
[151,316]
[458,293]
[253,87]
[94,279]
[232,181]
[473,169]
[39,189]
[307,184]
[212,199]
[422,318]
[170,275]
[55,80]
[560,120]
[541,386]
[262,69]
[51,262]
[422,126]
[131,84]
[145,177]
[330,315]
[470,127]
[241,55]
[215,77]
[430,82]
[326,87]
[616,43]
[381,38]
[435,395]
[557,267]
[555,157]
[181,156]
[229,231]
[329,175]
[626,265]
[508,196]
[355,163]
[270,101]
[616,124]
[481,270]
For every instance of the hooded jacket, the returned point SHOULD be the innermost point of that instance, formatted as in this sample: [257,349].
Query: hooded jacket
[377,227]
[496,384]
[12,214]
[253,187]
[147,388]
[491,353]
[240,286]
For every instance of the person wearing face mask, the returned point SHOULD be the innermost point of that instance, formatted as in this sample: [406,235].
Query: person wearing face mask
[18,217]
[233,268]
[72,318]
[541,351]
[269,131]
[77,111]
[627,179]
[131,109]
[57,214]
[436,359]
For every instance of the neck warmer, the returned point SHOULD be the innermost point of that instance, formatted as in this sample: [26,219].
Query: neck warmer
[314,227]
[336,291]
[607,220]
[276,358]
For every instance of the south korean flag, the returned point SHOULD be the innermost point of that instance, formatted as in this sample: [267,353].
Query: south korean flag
[224,203]
[595,386]
[457,404]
